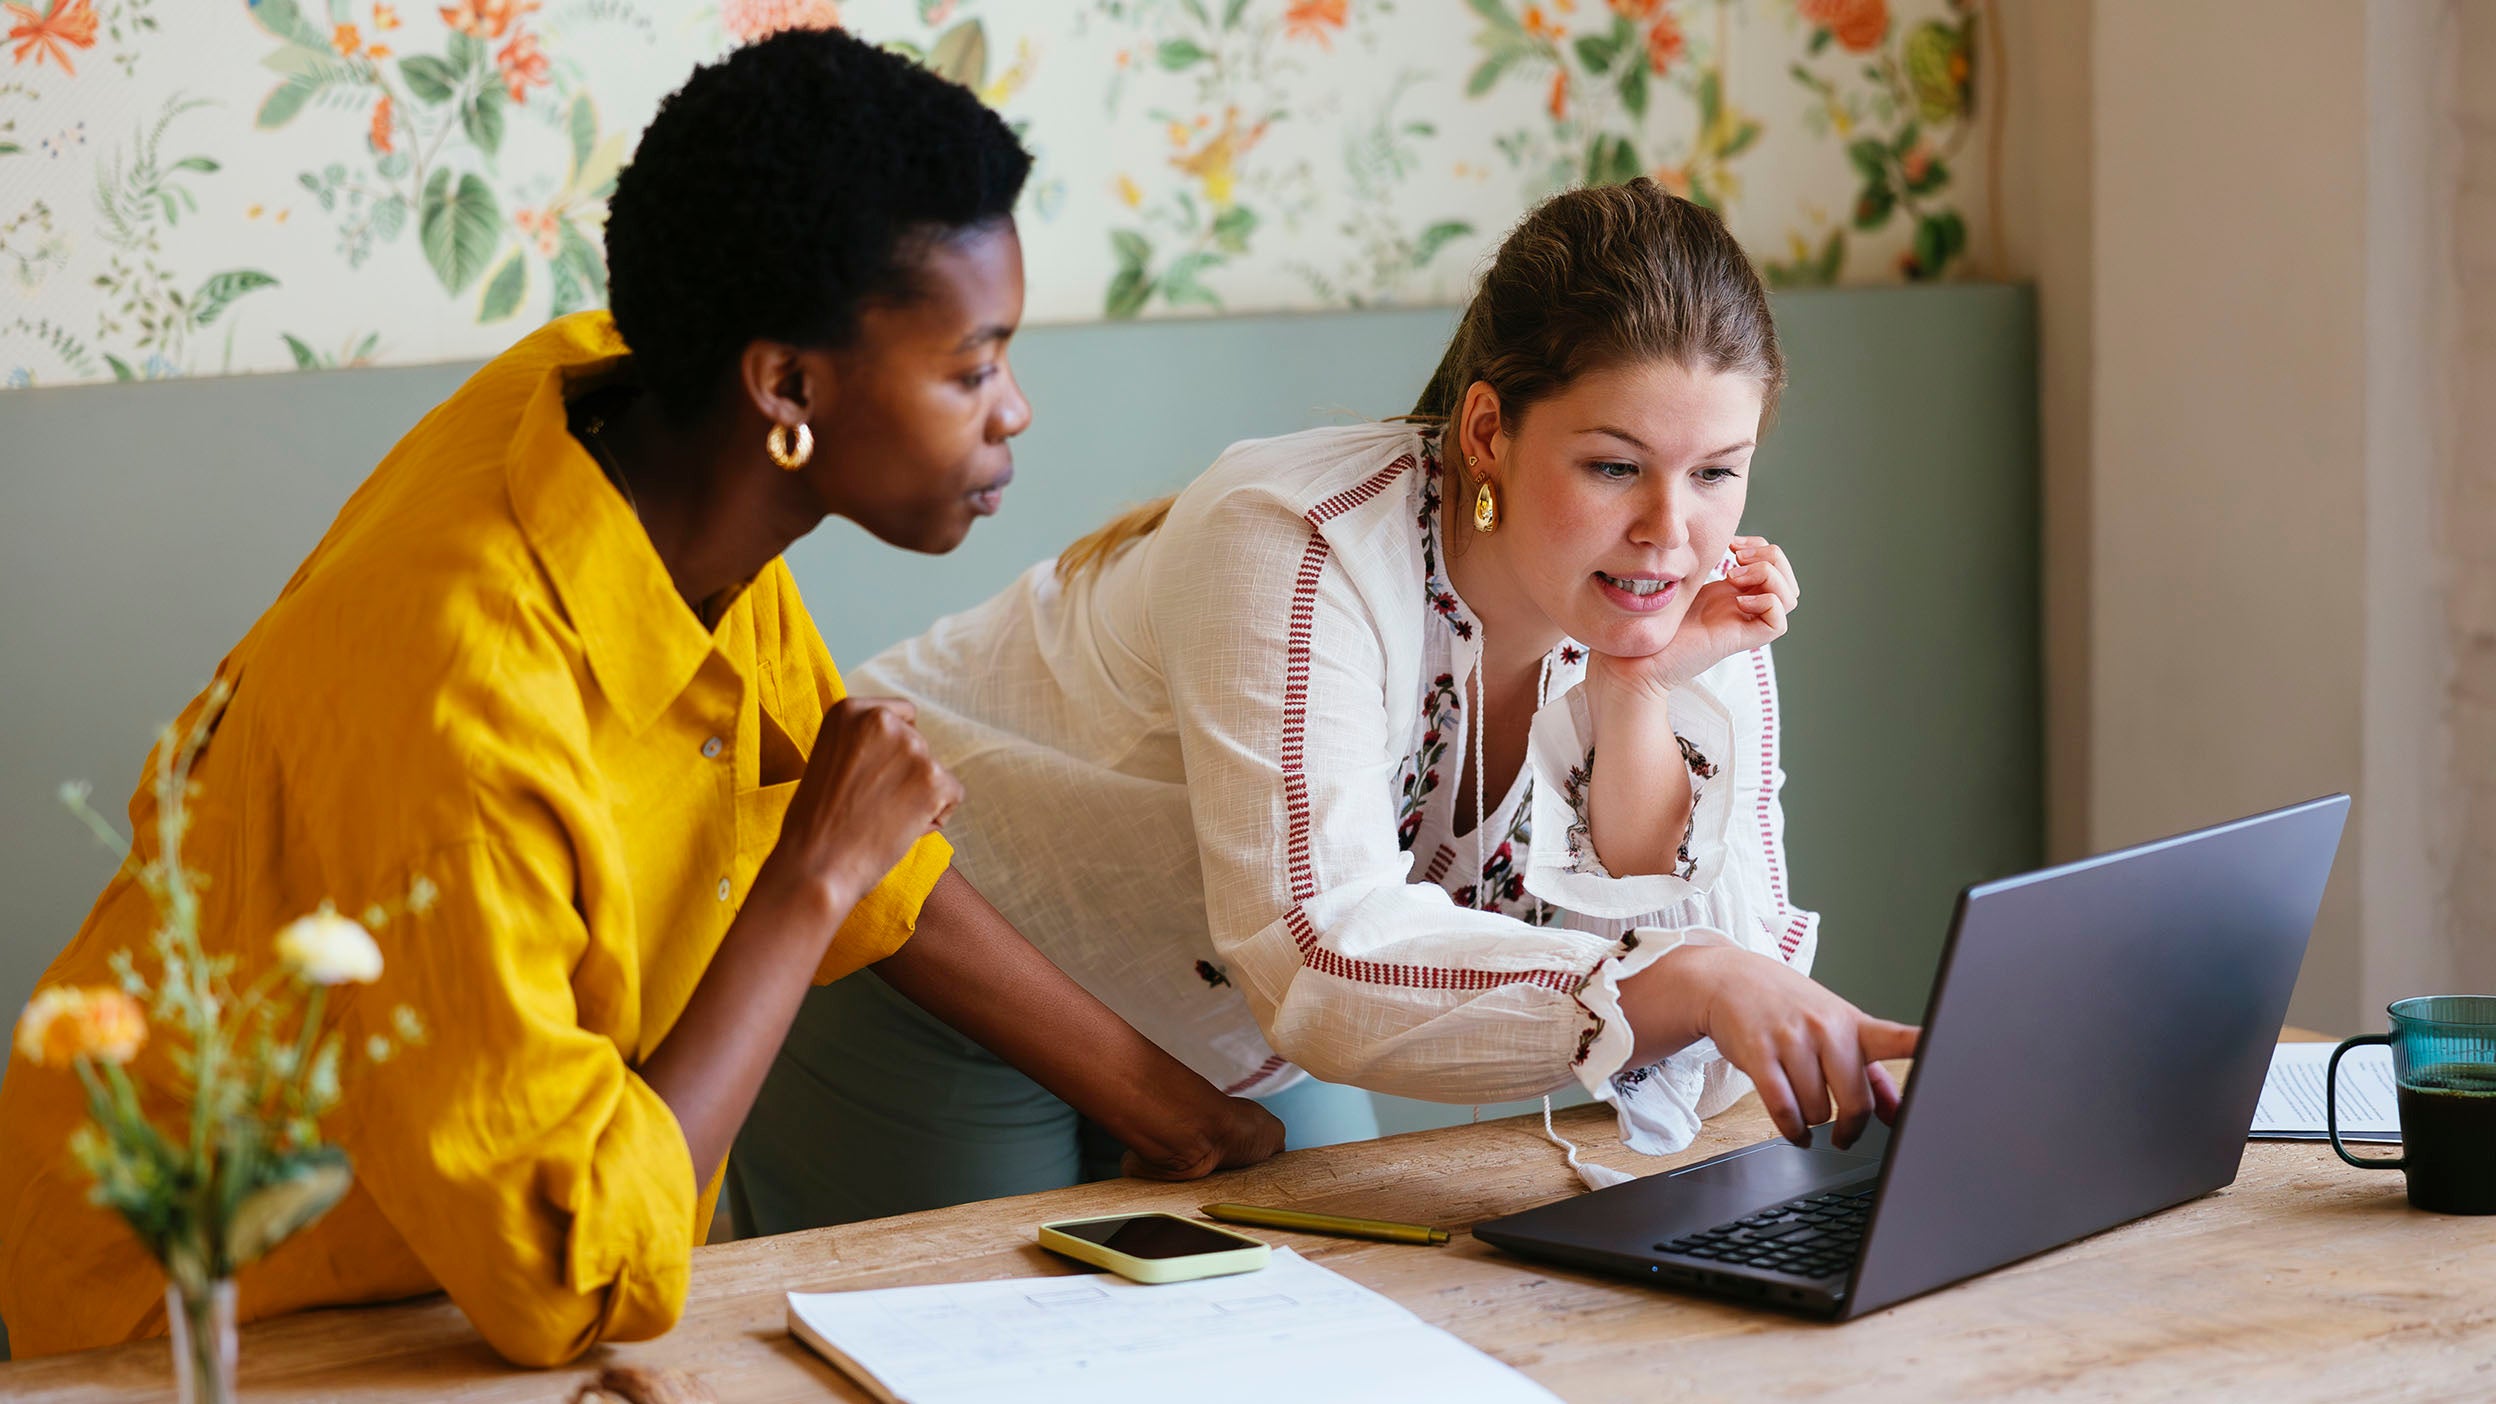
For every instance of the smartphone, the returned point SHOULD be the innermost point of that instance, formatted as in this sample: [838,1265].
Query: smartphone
[1154,1247]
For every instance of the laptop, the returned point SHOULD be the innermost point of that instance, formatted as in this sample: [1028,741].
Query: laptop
[2093,1049]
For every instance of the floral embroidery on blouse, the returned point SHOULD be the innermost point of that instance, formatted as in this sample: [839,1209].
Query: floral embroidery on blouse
[1581,840]
[1441,712]
[1442,595]
[1213,975]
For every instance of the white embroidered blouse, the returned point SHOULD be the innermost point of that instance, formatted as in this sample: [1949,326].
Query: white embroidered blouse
[1214,781]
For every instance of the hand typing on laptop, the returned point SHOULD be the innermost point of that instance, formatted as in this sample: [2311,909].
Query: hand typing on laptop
[1812,1056]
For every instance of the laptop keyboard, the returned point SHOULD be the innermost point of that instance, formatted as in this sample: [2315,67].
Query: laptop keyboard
[1814,1236]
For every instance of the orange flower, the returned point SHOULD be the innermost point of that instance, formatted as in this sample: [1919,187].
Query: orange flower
[68,1022]
[1560,95]
[1543,28]
[71,23]
[1664,42]
[1860,25]
[379,136]
[1675,179]
[545,230]
[749,20]
[485,19]
[385,17]
[1637,11]
[1310,19]
[523,65]
[1916,164]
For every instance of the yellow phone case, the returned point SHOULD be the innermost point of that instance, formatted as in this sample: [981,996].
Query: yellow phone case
[1247,1257]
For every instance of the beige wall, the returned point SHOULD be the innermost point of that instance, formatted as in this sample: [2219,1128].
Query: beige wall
[2470,504]
[2246,262]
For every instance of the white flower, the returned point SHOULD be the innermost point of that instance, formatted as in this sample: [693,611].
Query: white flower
[328,949]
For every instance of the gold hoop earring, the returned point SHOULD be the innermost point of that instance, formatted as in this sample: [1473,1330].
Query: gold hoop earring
[1486,508]
[790,456]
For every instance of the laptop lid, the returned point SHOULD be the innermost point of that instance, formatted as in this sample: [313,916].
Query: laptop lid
[2094,1047]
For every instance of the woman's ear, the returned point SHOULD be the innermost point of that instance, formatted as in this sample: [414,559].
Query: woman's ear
[786,384]
[1479,440]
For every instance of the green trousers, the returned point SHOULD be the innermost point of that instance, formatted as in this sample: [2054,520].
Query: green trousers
[874,1107]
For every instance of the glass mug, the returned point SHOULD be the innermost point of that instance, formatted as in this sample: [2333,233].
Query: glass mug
[2444,1062]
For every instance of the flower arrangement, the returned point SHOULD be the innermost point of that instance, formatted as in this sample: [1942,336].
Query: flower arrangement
[220,1158]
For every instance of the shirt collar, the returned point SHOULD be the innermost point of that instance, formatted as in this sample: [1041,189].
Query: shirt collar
[644,646]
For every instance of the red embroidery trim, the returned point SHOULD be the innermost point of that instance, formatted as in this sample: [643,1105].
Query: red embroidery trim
[1296,785]
[1264,1070]
[1439,863]
[1792,938]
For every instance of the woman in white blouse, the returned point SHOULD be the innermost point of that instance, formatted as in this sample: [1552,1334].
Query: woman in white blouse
[1225,761]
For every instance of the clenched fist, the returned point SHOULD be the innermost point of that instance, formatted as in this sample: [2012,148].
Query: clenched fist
[871,790]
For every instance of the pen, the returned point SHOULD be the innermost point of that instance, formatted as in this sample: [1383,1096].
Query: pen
[1307,1222]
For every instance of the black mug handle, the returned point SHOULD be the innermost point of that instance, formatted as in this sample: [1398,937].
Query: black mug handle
[2331,1104]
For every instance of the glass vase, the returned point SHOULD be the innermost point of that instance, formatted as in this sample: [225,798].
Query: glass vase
[204,1343]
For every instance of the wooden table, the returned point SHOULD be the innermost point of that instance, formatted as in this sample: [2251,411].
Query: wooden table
[2303,1280]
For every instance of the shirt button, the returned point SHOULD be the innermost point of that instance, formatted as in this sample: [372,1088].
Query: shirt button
[710,749]
[723,889]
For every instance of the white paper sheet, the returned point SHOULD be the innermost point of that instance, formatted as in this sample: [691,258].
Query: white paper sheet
[2291,1108]
[1291,1331]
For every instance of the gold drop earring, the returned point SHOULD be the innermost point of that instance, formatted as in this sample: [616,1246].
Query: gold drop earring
[1485,503]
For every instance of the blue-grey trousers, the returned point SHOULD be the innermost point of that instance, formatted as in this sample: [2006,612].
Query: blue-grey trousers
[875,1107]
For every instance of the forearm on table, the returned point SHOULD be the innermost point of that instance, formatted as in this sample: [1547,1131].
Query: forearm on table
[1638,799]
[968,966]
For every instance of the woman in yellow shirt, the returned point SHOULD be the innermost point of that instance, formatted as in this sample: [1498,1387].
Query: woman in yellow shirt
[548,658]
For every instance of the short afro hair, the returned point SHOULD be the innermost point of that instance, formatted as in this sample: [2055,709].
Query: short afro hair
[783,188]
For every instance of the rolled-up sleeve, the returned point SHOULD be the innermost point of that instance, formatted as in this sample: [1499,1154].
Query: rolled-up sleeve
[539,1179]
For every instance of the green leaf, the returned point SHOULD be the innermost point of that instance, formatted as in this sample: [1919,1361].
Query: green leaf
[1873,206]
[286,1202]
[467,54]
[305,357]
[282,19]
[1231,13]
[200,164]
[282,103]
[1232,227]
[1904,142]
[430,79]
[1436,237]
[1197,9]
[1871,159]
[1611,160]
[1711,98]
[1832,256]
[567,293]
[1179,287]
[583,258]
[458,228]
[482,119]
[1176,54]
[1741,139]
[504,291]
[1486,74]
[1133,250]
[1939,238]
[1939,69]
[391,165]
[1634,91]
[581,124]
[1596,53]
[1128,292]
[10,148]
[121,368]
[389,217]
[219,292]
[1497,13]
[961,55]
[1819,40]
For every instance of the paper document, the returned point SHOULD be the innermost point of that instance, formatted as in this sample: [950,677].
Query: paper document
[2291,1108]
[1291,1331]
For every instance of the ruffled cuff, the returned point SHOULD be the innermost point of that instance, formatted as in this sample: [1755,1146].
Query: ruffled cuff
[1660,1107]
[1603,1049]
[1568,874]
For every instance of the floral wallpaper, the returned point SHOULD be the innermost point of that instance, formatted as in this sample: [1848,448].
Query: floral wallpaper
[202,187]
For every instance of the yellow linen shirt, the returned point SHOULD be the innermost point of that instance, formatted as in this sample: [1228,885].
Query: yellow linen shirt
[484,677]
